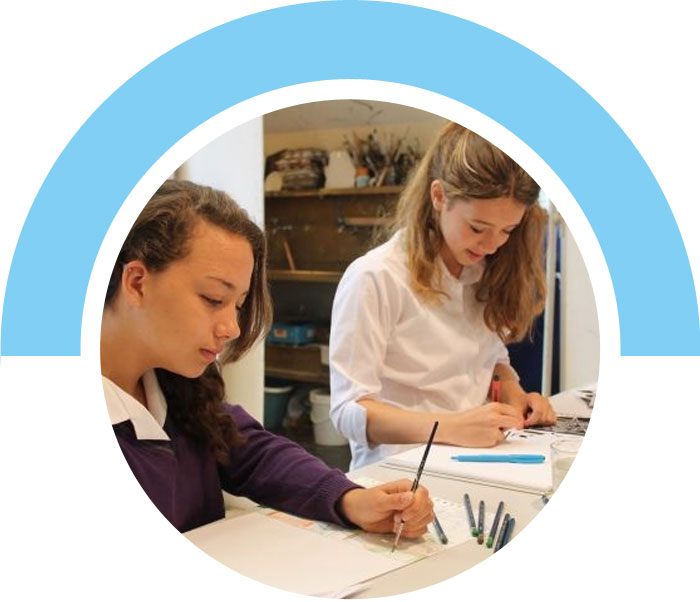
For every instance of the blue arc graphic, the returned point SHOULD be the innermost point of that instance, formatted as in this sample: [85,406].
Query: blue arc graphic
[125,136]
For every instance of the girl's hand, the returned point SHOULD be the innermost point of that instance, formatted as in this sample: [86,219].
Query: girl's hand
[538,410]
[534,407]
[482,426]
[380,509]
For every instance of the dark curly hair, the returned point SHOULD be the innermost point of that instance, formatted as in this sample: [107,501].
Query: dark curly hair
[160,236]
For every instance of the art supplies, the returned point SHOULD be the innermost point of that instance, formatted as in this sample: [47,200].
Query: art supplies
[439,530]
[470,515]
[535,478]
[502,533]
[510,458]
[510,527]
[416,481]
[496,388]
[494,526]
[480,525]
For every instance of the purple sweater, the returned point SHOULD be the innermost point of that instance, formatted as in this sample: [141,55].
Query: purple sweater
[185,482]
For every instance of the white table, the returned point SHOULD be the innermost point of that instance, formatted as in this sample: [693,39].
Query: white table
[443,565]
[451,562]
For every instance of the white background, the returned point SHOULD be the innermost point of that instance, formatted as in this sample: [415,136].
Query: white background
[73,518]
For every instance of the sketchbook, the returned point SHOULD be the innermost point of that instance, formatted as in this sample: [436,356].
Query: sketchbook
[535,478]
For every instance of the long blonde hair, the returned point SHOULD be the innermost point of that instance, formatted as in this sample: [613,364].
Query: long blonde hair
[469,167]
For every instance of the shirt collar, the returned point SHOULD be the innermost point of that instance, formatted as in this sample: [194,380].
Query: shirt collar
[147,422]
[470,274]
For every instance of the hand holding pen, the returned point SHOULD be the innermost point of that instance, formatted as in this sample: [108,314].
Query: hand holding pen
[416,481]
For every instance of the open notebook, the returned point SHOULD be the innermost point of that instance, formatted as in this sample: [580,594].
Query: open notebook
[536,478]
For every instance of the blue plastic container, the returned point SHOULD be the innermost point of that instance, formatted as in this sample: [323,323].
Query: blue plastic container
[276,400]
[292,334]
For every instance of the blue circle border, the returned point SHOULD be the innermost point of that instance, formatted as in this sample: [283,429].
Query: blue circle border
[135,126]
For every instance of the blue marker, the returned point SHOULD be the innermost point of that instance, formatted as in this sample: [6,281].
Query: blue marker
[509,458]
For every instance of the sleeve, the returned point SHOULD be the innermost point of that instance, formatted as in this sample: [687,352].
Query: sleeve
[278,473]
[361,324]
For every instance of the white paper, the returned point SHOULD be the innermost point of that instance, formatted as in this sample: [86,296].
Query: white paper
[571,403]
[321,559]
[281,555]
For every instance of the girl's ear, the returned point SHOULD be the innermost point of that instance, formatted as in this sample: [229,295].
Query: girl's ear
[437,195]
[133,275]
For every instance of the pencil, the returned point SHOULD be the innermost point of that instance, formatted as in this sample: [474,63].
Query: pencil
[414,487]
[470,515]
[496,388]
[440,533]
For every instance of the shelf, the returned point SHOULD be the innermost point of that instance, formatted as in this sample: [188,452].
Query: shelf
[302,363]
[323,192]
[305,275]
[299,375]
[367,222]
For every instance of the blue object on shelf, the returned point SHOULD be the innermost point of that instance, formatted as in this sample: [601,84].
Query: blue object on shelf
[292,334]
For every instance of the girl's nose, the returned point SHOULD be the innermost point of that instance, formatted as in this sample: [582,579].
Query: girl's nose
[492,241]
[228,328]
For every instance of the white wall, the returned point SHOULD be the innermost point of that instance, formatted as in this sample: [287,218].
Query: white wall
[580,336]
[234,163]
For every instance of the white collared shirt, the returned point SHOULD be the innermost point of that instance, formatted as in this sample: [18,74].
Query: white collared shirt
[148,422]
[389,344]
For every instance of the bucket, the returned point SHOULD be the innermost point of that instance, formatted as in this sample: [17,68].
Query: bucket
[276,398]
[324,431]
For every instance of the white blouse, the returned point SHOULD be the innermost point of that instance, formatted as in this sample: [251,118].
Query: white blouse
[390,345]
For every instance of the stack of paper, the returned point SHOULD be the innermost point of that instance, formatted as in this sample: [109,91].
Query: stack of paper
[536,478]
[574,402]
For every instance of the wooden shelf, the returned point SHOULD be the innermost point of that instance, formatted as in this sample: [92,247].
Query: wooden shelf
[299,375]
[302,363]
[367,222]
[322,192]
[305,275]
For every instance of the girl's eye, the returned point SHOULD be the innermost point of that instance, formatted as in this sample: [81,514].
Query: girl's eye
[475,229]
[212,302]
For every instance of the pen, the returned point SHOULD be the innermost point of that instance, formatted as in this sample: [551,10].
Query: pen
[480,538]
[496,388]
[510,458]
[509,531]
[470,515]
[502,533]
[417,479]
[440,533]
[494,526]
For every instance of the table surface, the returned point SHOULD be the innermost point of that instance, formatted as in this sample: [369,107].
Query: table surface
[523,506]
[453,561]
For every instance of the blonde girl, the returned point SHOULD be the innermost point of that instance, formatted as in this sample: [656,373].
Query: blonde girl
[420,323]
